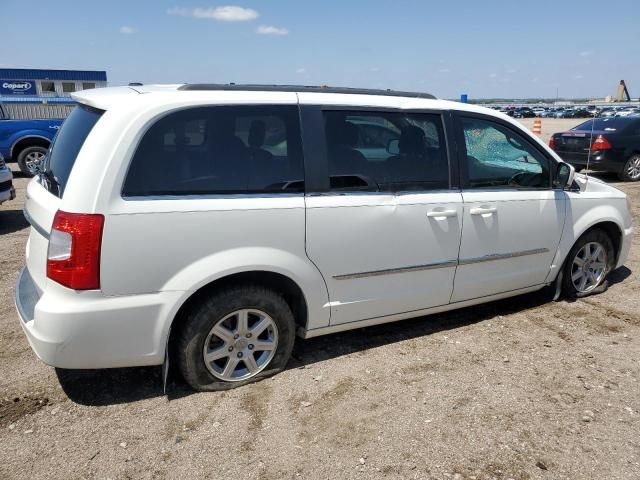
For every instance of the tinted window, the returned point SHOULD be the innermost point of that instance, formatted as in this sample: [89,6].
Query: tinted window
[499,157]
[385,151]
[66,146]
[209,150]
[611,124]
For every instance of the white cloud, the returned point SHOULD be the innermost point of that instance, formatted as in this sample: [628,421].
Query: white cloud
[586,53]
[444,70]
[578,76]
[374,69]
[271,30]
[229,13]
[301,70]
[511,70]
[125,29]
[493,75]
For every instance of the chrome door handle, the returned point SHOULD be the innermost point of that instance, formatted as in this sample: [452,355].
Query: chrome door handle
[483,210]
[442,213]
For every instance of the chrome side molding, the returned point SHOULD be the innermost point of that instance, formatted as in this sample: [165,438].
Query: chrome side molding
[502,256]
[445,264]
[390,271]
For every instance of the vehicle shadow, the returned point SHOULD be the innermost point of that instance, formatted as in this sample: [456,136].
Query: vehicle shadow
[125,385]
[115,386]
[12,221]
[323,348]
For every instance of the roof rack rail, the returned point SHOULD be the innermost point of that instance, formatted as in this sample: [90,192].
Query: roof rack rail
[301,88]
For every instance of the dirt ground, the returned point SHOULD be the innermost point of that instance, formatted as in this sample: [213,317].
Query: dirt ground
[517,389]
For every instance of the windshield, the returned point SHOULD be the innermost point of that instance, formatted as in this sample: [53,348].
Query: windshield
[65,147]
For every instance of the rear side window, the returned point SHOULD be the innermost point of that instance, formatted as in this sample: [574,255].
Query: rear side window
[219,150]
[66,145]
[385,151]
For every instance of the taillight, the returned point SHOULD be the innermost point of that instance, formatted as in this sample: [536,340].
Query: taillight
[73,259]
[601,143]
[552,143]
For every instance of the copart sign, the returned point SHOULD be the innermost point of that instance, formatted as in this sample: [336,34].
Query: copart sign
[17,87]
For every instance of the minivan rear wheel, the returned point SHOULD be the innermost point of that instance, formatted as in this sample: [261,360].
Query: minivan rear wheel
[236,336]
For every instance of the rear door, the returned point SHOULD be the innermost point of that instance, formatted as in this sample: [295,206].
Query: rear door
[383,218]
[45,192]
[513,218]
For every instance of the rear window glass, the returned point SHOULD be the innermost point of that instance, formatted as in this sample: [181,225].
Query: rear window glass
[599,124]
[65,147]
[219,150]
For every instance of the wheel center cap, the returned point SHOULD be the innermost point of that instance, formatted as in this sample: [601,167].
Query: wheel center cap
[241,344]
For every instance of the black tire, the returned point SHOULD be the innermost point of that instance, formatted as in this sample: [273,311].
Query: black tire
[22,159]
[204,315]
[626,174]
[595,235]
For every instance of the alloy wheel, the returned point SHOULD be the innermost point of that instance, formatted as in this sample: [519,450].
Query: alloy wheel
[240,345]
[633,168]
[589,267]
[33,162]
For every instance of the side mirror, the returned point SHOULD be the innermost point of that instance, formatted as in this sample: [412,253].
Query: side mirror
[564,176]
[393,147]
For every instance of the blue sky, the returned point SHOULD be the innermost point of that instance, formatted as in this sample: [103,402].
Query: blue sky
[486,48]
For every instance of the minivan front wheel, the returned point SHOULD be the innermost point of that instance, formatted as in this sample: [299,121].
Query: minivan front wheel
[238,335]
[588,264]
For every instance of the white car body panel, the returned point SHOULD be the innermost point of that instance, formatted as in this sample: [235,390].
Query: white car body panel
[360,258]
[356,240]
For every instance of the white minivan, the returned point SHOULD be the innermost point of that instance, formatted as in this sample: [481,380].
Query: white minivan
[209,224]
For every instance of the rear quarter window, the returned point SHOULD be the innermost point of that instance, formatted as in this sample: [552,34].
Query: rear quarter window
[66,146]
[219,150]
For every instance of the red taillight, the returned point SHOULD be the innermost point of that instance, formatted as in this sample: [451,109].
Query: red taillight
[601,143]
[73,259]
[552,143]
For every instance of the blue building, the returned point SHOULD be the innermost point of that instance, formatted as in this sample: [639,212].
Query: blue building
[34,93]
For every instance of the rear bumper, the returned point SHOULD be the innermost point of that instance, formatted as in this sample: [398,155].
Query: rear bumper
[602,160]
[85,330]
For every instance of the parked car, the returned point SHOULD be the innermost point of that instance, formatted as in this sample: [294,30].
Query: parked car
[26,141]
[7,191]
[163,230]
[614,146]
[521,112]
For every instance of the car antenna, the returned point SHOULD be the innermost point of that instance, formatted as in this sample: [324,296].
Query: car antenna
[593,121]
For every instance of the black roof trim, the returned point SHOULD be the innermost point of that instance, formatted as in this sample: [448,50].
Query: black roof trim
[301,88]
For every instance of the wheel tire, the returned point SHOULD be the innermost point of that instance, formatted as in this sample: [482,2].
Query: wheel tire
[593,236]
[23,160]
[203,316]
[631,170]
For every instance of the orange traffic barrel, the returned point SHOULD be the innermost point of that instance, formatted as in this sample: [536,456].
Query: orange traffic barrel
[537,126]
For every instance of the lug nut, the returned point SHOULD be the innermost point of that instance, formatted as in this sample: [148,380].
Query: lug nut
[248,335]
[236,336]
[239,354]
[231,349]
[250,346]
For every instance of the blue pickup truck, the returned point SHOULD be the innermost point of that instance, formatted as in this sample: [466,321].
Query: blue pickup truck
[26,141]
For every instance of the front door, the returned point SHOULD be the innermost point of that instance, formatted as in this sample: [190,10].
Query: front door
[386,228]
[513,218]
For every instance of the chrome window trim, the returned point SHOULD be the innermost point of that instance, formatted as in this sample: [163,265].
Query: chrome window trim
[448,263]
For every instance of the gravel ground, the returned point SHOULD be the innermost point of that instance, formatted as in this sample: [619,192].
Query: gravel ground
[516,389]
